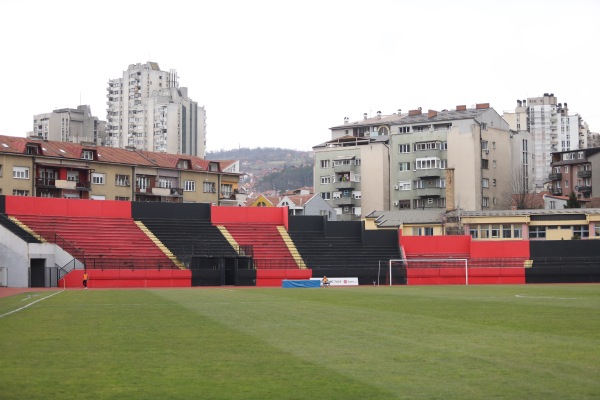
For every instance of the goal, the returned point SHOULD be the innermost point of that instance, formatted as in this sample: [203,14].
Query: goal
[406,263]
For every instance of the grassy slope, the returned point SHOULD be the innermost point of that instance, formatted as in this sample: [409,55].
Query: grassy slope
[338,343]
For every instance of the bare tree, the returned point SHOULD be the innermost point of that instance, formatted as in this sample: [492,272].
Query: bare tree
[521,194]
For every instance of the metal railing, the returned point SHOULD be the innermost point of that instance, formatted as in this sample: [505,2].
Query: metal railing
[129,263]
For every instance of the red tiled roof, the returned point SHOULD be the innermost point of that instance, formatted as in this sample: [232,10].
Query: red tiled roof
[67,150]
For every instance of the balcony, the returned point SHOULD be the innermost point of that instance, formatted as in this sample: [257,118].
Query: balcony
[555,176]
[345,185]
[584,174]
[556,191]
[344,168]
[583,189]
[51,183]
[346,201]
[435,153]
[431,192]
[430,173]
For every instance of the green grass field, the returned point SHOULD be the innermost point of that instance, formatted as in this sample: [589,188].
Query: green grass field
[430,342]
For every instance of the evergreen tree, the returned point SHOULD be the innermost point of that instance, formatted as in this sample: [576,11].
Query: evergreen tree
[573,202]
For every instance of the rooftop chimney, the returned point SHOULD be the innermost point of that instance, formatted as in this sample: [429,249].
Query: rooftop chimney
[461,108]
[481,106]
[346,119]
[414,112]
[365,116]
[378,114]
[431,113]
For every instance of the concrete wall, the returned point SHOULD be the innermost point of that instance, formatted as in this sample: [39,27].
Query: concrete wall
[375,178]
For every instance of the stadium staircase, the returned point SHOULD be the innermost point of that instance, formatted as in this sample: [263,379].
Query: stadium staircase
[269,248]
[103,243]
[17,228]
[160,245]
[189,238]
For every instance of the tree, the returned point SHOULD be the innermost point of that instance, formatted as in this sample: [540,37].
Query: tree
[521,194]
[573,202]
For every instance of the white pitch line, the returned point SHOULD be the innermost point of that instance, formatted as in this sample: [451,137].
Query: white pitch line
[30,304]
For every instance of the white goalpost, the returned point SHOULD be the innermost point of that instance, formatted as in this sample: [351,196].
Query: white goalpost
[463,262]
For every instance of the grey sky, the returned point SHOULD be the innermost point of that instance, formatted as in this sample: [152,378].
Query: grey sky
[280,73]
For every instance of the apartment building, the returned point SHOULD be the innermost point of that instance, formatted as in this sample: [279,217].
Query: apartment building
[73,125]
[58,169]
[552,130]
[418,153]
[149,111]
[576,171]
[352,174]
[459,158]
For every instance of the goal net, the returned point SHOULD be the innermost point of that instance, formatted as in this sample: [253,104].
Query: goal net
[400,266]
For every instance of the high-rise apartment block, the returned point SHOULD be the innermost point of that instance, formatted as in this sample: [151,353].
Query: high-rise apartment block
[148,110]
[552,130]
[70,125]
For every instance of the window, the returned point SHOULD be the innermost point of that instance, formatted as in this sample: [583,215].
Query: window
[430,163]
[485,231]
[485,182]
[495,231]
[581,231]
[87,155]
[142,182]
[484,164]
[21,173]
[326,195]
[73,176]
[226,189]
[566,169]
[517,231]
[404,148]
[419,184]
[494,163]
[20,192]
[506,231]
[165,183]
[537,232]
[404,166]
[121,180]
[484,145]
[189,186]
[474,232]
[428,146]
[443,145]
[325,180]
[404,185]
[0,170]
[324,163]
[485,203]
[494,182]
[97,178]
[121,198]
[208,187]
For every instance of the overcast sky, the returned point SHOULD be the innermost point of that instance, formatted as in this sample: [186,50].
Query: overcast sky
[281,73]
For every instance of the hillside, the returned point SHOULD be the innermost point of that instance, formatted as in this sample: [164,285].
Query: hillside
[271,168]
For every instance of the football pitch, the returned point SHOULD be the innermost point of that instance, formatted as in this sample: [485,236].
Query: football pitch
[401,342]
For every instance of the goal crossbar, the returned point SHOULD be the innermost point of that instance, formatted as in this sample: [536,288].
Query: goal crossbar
[405,261]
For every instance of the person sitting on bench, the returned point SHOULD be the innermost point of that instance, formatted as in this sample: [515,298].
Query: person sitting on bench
[325,281]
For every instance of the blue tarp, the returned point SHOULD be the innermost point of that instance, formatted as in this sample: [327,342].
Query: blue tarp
[303,283]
